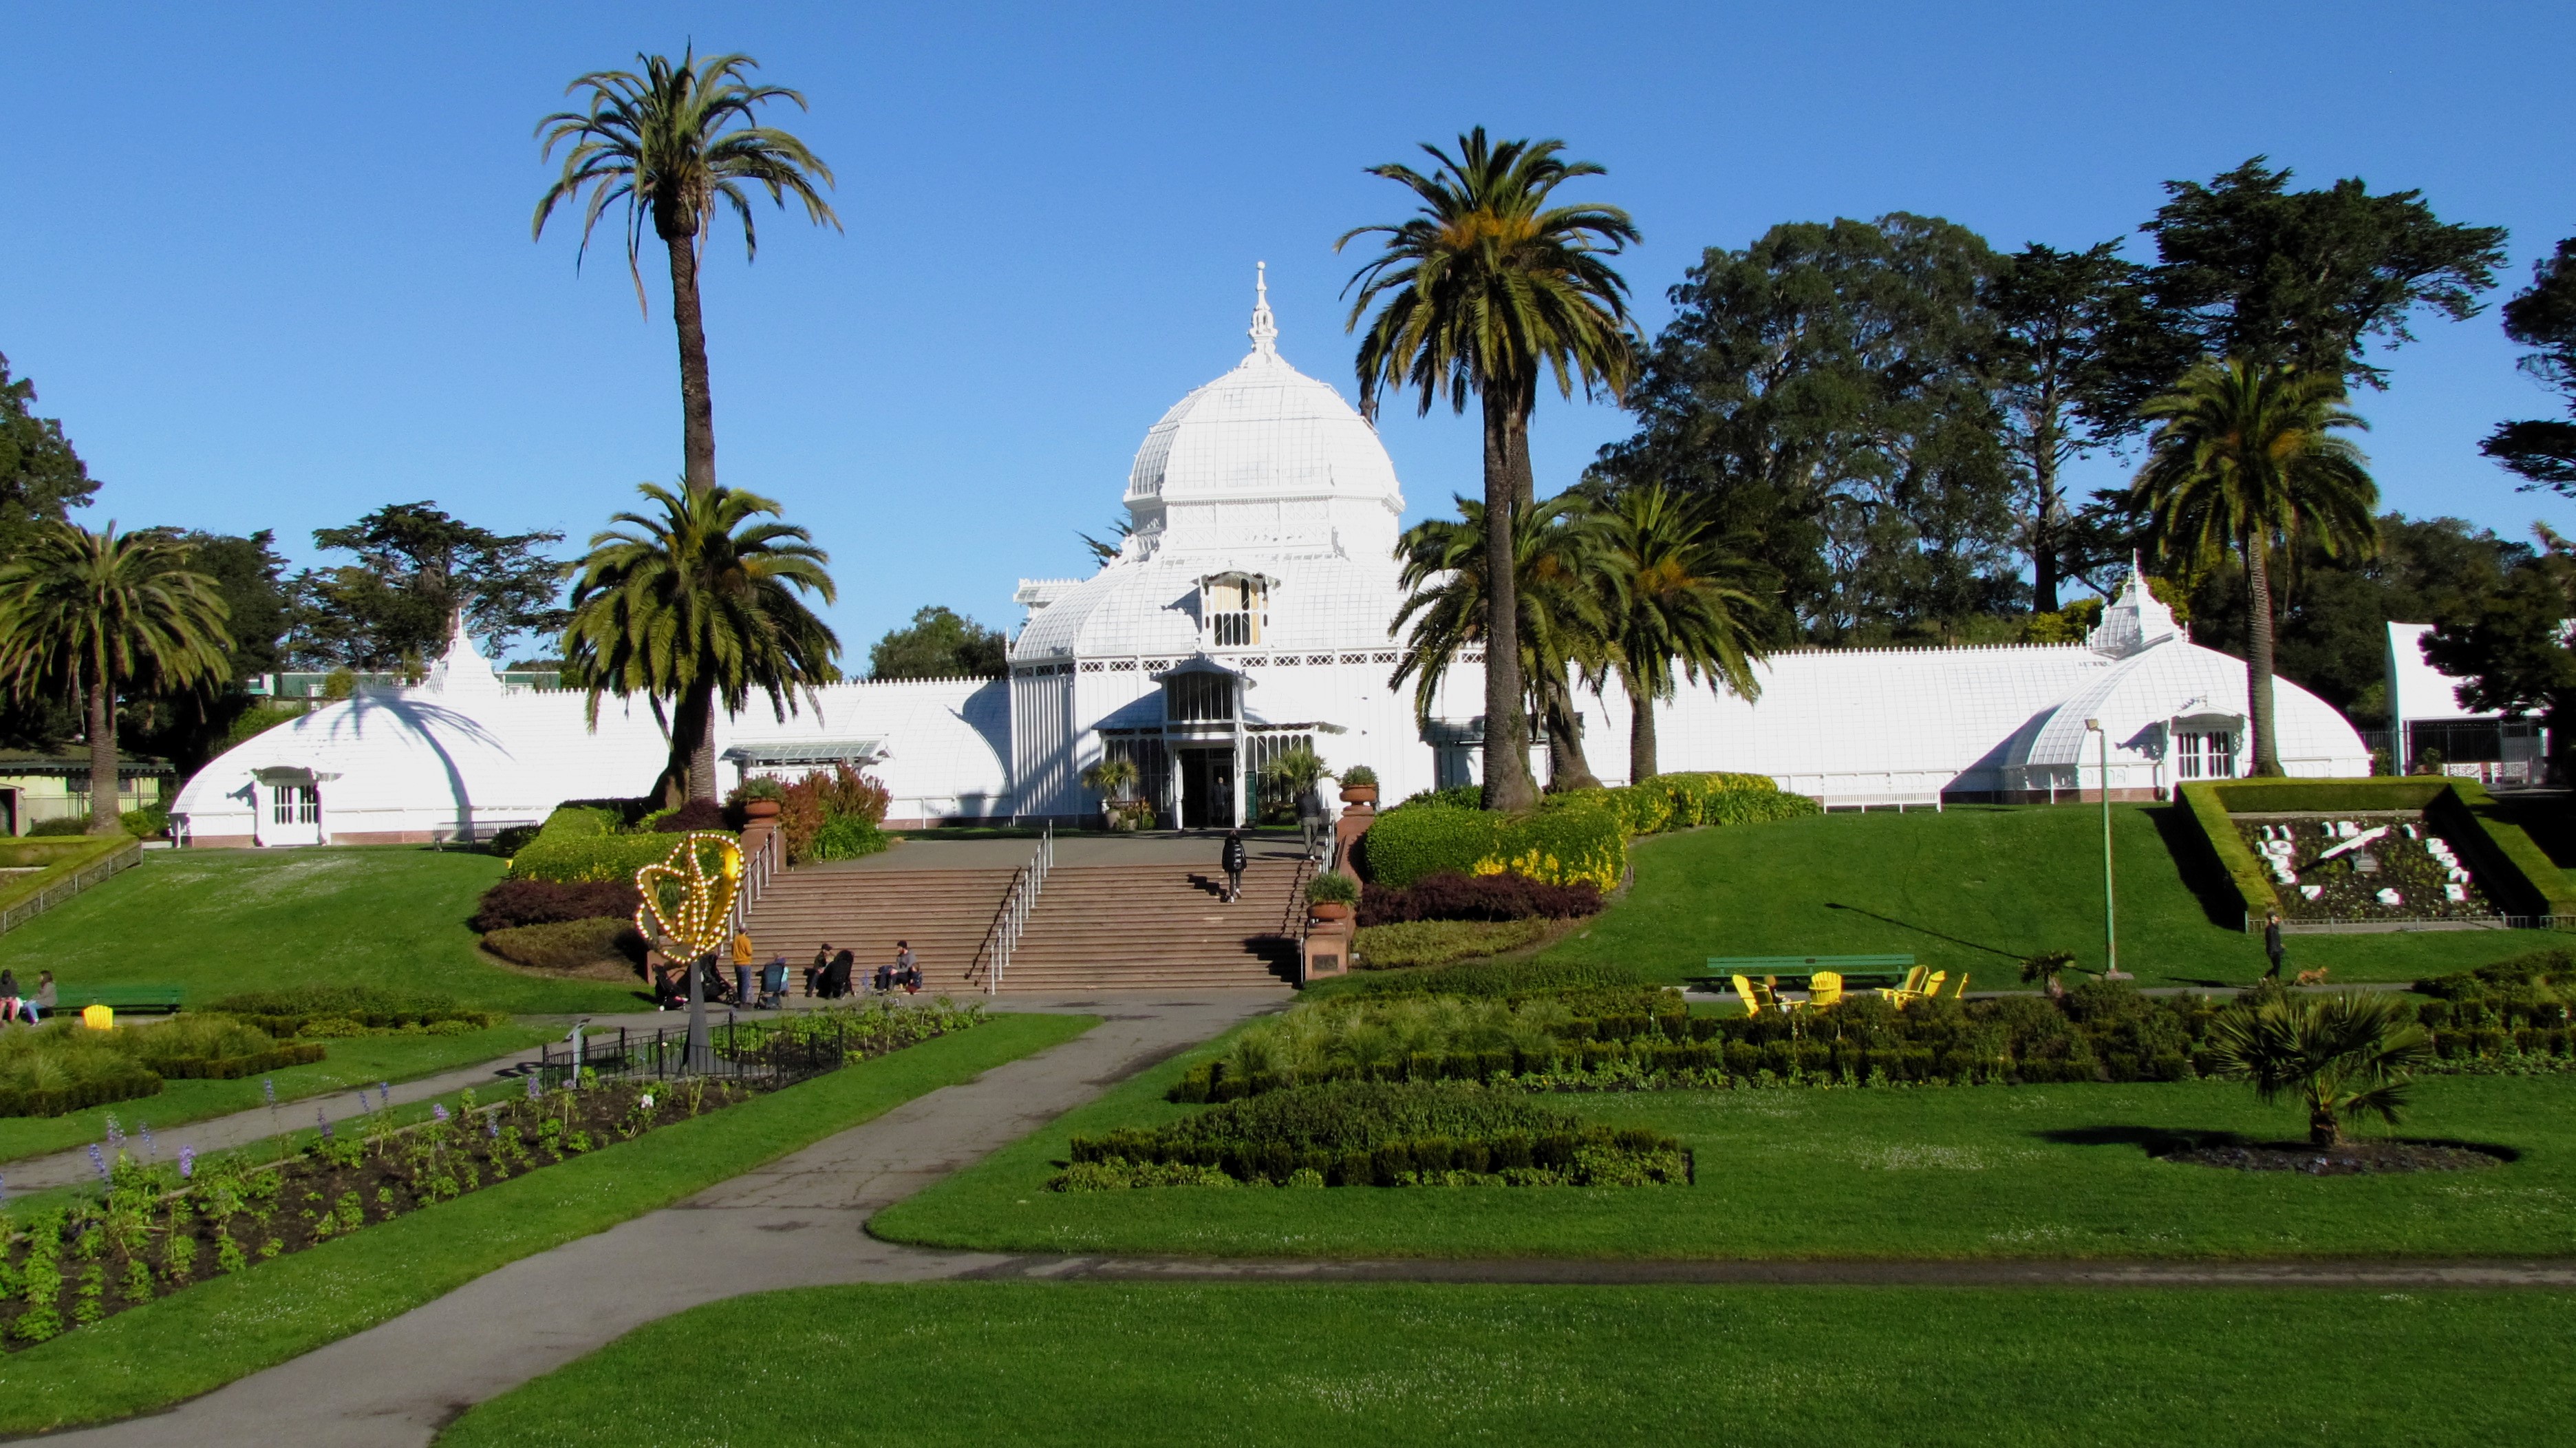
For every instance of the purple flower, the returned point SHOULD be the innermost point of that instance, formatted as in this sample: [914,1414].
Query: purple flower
[440,1112]
[149,1148]
[98,1159]
[187,1162]
[532,1085]
[4,1191]
[492,1125]
[322,1121]
[268,1088]
[115,1138]
[384,1093]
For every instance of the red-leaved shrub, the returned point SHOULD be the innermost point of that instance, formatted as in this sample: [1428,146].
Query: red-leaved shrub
[697,814]
[1449,895]
[516,902]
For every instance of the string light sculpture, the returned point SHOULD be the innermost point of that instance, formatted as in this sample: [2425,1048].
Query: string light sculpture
[705,907]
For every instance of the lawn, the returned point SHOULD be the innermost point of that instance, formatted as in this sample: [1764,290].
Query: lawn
[362,1061]
[1948,1172]
[1085,1363]
[197,1340]
[1972,889]
[219,921]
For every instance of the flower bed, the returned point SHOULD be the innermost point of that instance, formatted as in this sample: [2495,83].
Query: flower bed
[156,1227]
[1374,1134]
[2330,867]
[64,1066]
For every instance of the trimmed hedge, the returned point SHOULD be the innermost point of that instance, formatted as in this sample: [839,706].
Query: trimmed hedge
[79,1096]
[1377,1134]
[282,1013]
[1578,836]
[1409,943]
[568,944]
[1448,895]
[233,1068]
[580,858]
[1515,977]
[546,902]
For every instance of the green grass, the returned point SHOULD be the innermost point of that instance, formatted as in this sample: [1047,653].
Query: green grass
[347,1065]
[198,1340]
[1956,1172]
[1973,889]
[1086,1363]
[220,921]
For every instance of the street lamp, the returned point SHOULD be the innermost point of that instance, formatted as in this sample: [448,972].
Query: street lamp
[2110,903]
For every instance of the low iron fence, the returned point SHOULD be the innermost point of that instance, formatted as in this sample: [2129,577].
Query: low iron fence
[755,1054]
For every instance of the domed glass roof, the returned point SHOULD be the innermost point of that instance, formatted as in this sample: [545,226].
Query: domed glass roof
[1262,431]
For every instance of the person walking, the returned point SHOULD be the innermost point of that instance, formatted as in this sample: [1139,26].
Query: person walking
[1233,861]
[1311,817]
[2272,943]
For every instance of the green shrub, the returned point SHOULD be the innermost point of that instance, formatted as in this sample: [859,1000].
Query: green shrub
[68,825]
[1694,794]
[568,944]
[1755,807]
[1514,977]
[1440,942]
[847,837]
[285,1013]
[1456,796]
[1332,887]
[582,820]
[1362,1133]
[62,1066]
[575,859]
[1418,838]
[1359,776]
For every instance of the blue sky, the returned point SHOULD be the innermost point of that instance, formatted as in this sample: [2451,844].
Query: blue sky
[271,264]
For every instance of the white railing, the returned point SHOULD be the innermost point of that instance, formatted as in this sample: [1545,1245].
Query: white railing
[757,868]
[1868,788]
[1013,918]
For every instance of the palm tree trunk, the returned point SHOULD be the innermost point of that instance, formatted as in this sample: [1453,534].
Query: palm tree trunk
[103,814]
[2323,1129]
[1641,730]
[1508,785]
[1567,768]
[697,405]
[691,773]
[2258,656]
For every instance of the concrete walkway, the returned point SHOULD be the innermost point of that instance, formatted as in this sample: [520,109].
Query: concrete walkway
[797,1222]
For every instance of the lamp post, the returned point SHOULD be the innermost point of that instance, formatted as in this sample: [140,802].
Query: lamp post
[2110,900]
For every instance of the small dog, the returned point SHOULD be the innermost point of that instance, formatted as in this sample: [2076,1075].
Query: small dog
[2313,977]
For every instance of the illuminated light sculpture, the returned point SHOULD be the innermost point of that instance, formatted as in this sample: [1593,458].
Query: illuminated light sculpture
[697,922]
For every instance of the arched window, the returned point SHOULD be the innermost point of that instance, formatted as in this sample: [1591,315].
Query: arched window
[1235,609]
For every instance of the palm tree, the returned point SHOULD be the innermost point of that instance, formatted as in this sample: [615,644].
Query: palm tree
[97,614]
[1483,290]
[671,143]
[2343,1056]
[1683,597]
[2245,456]
[698,606]
[1560,588]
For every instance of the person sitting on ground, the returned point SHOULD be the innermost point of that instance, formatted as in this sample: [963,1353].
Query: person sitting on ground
[907,968]
[1233,860]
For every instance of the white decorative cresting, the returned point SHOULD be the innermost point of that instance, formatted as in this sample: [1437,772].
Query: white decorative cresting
[2136,620]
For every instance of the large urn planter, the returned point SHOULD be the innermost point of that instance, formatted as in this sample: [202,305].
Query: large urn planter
[760,809]
[1359,794]
[1328,910]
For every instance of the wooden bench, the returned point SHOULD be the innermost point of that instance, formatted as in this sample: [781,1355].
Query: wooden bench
[1798,972]
[162,998]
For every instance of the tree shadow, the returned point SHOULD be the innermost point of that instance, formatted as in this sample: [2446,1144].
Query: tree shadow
[2160,1141]
[2202,875]
[1926,930]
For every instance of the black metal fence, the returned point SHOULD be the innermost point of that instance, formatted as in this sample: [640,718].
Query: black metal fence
[759,1055]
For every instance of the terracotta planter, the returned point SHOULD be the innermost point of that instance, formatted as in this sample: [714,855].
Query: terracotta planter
[1328,910]
[760,809]
[1359,794]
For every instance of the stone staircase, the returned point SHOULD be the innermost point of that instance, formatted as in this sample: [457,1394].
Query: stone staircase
[1095,927]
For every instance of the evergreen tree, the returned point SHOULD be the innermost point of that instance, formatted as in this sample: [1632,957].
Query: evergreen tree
[940,643]
[2543,317]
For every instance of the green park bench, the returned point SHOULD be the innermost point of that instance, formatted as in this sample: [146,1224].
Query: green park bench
[163,998]
[1798,972]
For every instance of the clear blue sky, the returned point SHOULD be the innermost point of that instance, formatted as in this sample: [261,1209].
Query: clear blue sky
[271,265]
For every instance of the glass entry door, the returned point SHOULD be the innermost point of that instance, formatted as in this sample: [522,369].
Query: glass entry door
[1207,788]
[290,814]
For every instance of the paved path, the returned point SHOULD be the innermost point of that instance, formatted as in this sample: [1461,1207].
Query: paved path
[2557,1273]
[797,1222]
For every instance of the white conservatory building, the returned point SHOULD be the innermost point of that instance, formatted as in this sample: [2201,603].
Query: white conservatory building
[1247,612]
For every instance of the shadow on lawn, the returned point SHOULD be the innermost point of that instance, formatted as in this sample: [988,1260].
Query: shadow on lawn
[1925,930]
[2161,1141]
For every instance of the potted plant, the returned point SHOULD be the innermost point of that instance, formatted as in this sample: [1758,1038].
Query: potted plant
[759,797]
[1114,780]
[1359,785]
[1332,895]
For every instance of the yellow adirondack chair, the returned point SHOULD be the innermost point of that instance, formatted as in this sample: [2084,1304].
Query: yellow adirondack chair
[1754,997]
[1898,995]
[1962,992]
[1825,988]
[1932,987]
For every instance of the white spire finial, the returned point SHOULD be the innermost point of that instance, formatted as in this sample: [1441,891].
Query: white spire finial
[1265,332]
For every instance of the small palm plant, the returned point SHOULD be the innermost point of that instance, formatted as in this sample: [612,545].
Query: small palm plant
[2343,1056]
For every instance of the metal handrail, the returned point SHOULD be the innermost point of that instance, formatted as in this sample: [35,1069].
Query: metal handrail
[1013,917]
[757,868]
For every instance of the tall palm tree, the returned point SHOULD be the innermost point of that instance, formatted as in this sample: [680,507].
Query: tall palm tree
[1560,590]
[98,614]
[697,606]
[2246,456]
[1683,598]
[1483,290]
[670,144]
[2342,1056]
